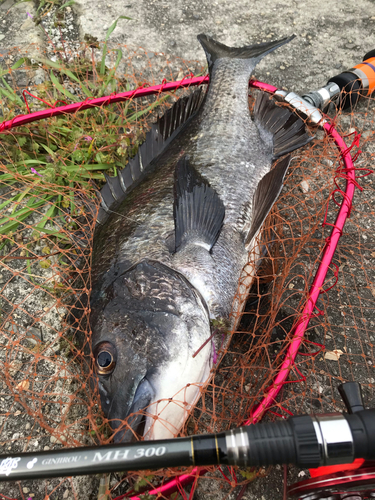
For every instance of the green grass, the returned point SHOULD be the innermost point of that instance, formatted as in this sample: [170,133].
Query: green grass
[48,4]
[47,161]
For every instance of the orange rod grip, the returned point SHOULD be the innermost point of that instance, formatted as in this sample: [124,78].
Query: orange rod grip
[368,68]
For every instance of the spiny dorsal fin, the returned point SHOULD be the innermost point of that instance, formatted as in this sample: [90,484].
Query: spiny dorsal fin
[281,130]
[265,196]
[198,210]
[116,188]
[179,113]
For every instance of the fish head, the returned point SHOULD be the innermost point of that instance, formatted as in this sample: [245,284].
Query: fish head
[144,338]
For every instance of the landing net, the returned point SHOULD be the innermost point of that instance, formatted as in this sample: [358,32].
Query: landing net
[48,209]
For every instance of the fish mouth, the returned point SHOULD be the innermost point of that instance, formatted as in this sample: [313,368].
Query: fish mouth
[143,397]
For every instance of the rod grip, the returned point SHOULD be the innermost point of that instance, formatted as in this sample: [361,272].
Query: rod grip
[362,426]
[356,82]
[291,441]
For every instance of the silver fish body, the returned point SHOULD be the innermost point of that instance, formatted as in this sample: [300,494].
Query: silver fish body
[169,258]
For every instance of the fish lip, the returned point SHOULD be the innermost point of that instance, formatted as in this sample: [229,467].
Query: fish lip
[143,397]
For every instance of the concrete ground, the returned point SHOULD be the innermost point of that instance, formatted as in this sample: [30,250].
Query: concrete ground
[331,37]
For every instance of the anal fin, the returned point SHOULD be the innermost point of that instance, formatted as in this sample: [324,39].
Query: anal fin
[265,196]
[198,210]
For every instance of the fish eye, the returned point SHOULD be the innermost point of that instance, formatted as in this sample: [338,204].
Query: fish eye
[105,358]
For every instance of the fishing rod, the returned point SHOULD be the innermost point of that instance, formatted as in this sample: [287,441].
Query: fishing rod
[304,440]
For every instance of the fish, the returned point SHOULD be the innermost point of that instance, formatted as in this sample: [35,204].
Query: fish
[173,238]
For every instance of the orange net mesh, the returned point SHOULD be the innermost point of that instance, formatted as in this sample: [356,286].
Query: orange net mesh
[48,210]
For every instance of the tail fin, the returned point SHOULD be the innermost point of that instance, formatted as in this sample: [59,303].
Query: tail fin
[215,50]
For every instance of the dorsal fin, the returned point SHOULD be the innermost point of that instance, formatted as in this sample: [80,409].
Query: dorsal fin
[161,133]
[281,130]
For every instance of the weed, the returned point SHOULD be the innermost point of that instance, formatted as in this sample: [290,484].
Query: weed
[250,474]
[68,346]
[142,482]
[103,430]
[45,6]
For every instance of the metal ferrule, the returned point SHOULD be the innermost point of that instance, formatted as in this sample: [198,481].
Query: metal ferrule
[364,80]
[335,439]
[321,98]
[300,104]
[238,447]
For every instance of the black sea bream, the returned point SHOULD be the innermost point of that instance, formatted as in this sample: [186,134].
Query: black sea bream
[175,231]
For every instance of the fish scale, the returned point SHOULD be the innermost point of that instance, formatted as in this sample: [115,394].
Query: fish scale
[170,250]
[230,142]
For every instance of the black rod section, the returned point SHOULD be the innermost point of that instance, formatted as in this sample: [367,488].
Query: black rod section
[98,459]
[306,441]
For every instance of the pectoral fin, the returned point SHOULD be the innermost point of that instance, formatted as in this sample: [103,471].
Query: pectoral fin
[265,196]
[198,210]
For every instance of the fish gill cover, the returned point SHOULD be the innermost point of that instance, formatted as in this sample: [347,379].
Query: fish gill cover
[48,210]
